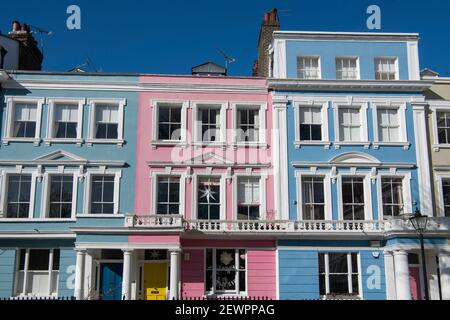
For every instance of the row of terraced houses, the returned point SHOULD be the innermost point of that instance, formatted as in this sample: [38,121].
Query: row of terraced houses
[295,183]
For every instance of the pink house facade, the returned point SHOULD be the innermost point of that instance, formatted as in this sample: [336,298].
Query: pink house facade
[204,190]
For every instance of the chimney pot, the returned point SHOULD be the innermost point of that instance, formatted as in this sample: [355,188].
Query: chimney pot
[25,28]
[16,26]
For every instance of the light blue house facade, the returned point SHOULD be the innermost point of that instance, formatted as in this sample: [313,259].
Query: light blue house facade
[67,171]
[353,164]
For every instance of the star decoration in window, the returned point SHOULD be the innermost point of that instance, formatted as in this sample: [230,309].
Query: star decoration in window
[208,194]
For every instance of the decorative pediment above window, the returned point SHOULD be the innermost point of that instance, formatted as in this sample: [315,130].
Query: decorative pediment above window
[211,158]
[354,159]
[60,155]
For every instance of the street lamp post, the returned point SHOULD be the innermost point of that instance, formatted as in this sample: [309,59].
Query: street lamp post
[419,223]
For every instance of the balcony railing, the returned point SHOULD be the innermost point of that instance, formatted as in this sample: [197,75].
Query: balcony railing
[154,221]
[159,222]
[283,226]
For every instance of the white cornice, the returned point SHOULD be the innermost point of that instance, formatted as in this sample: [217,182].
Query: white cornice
[361,36]
[132,87]
[357,85]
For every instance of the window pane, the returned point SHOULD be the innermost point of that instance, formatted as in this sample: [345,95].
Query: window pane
[339,283]
[164,114]
[242,279]
[225,280]
[337,262]
[38,260]
[22,253]
[225,258]
[56,256]
[305,132]
[61,188]
[321,262]
[19,195]
[316,132]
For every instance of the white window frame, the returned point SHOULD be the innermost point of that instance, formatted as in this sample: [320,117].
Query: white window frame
[358,73]
[155,175]
[11,101]
[401,107]
[368,216]
[349,271]
[155,104]
[196,136]
[223,192]
[50,272]
[45,207]
[262,107]
[397,72]
[435,107]
[364,128]
[214,271]
[406,186]
[4,181]
[93,103]
[312,103]
[326,175]
[88,193]
[52,102]
[440,205]
[262,176]
[319,66]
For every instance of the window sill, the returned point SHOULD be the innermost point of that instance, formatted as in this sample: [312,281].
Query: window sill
[91,142]
[96,216]
[168,143]
[7,141]
[249,145]
[51,141]
[365,144]
[437,147]
[213,144]
[405,145]
[325,144]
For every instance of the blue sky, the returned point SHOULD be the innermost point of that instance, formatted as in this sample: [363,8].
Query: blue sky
[171,36]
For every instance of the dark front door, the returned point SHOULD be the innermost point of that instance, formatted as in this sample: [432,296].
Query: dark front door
[111,281]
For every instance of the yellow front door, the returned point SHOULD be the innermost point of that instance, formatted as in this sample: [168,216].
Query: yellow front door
[155,281]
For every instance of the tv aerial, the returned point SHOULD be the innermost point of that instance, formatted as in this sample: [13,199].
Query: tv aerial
[228,59]
[41,33]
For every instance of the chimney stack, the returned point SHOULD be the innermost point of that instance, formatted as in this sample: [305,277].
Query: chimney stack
[30,57]
[268,26]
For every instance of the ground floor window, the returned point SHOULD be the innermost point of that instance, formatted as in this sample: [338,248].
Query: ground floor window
[338,274]
[226,271]
[37,272]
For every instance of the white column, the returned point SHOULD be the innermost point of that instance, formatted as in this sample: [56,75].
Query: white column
[79,274]
[126,274]
[25,271]
[174,274]
[402,275]
[50,272]
[389,274]
[444,268]
[423,162]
